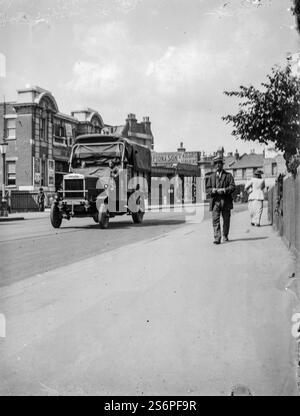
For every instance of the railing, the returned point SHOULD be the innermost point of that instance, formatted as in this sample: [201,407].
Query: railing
[25,201]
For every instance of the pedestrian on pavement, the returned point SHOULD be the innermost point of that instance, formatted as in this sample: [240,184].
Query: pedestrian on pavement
[255,187]
[220,186]
[41,200]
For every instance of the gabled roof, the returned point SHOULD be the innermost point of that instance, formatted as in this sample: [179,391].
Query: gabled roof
[228,161]
[252,160]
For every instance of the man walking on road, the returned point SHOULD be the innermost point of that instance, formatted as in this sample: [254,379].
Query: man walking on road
[219,188]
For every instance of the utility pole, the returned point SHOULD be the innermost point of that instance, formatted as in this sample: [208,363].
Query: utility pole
[3,149]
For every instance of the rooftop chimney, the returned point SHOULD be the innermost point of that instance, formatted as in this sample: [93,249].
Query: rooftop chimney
[132,121]
[237,155]
[181,148]
[147,124]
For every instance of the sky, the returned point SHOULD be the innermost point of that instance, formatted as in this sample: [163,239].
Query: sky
[170,60]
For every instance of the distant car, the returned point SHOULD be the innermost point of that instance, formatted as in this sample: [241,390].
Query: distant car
[109,175]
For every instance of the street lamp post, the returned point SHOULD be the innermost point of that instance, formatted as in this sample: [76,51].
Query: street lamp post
[3,211]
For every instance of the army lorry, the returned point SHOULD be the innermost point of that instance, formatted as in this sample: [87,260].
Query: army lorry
[108,175]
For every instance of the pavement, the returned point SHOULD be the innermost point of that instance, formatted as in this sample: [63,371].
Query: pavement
[17,216]
[170,315]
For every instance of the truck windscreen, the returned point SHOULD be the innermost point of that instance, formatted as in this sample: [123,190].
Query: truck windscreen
[95,154]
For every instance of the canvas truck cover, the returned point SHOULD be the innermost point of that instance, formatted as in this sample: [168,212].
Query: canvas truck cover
[141,158]
[138,155]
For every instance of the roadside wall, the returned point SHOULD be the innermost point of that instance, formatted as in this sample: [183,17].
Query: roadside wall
[284,210]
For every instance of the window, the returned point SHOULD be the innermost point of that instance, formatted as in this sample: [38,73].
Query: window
[11,173]
[274,169]
[60,133]
[10,125]
[243,173]
[234,173]
[43,173]
[43,126]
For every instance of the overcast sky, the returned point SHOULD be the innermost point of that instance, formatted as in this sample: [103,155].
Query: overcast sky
[168,59]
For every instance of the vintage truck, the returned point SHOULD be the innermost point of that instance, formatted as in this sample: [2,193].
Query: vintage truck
[108,175]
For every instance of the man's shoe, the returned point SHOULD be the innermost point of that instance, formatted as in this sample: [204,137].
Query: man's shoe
[225,239]
[217,242]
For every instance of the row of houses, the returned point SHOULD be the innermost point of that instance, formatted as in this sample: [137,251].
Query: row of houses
[241,166]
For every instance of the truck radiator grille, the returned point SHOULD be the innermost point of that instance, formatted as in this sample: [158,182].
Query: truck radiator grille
[74,188]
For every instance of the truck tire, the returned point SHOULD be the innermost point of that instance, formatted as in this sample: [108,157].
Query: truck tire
[138,217]
[103,217]
[55,216]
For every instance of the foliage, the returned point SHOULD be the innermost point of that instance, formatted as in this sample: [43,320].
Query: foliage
[270,114]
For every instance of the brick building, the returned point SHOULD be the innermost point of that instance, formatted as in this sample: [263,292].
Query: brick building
[138,132]
[40,138]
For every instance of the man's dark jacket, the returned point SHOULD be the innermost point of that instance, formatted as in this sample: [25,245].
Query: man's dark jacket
[227,182]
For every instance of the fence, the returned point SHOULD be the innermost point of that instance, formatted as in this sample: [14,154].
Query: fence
[24,201]
[284,210]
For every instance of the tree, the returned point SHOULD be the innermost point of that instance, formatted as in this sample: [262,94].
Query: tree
[271,114]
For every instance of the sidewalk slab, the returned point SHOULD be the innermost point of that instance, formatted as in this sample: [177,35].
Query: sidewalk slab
[170,316]
[10,218]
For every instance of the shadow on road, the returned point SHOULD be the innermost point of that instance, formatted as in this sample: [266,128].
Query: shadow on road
[247,239]
[127,224]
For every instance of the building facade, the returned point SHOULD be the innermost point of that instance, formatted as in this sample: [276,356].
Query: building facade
[40,138]
[139,132]
[243,167]
[188,165]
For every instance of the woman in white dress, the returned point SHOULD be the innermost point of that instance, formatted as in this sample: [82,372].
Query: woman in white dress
[255,187]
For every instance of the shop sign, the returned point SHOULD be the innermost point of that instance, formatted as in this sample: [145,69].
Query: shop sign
[167,158]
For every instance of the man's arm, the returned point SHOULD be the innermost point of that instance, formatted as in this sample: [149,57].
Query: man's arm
[209,187]
[229,189]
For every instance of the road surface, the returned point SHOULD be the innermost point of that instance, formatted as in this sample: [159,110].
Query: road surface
[153,309]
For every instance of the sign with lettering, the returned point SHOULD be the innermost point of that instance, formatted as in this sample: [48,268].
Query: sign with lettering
[169,158]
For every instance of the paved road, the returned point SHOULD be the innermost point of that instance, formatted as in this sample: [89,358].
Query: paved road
[171,314]
[32,246]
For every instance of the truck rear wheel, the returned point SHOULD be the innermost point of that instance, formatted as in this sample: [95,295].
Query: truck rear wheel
[103,217]
[138,217]
[55,216]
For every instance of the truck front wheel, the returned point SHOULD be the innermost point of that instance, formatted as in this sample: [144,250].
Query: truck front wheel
[103,216]
[55,216]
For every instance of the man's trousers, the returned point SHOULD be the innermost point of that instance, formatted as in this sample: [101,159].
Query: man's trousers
[216,215]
